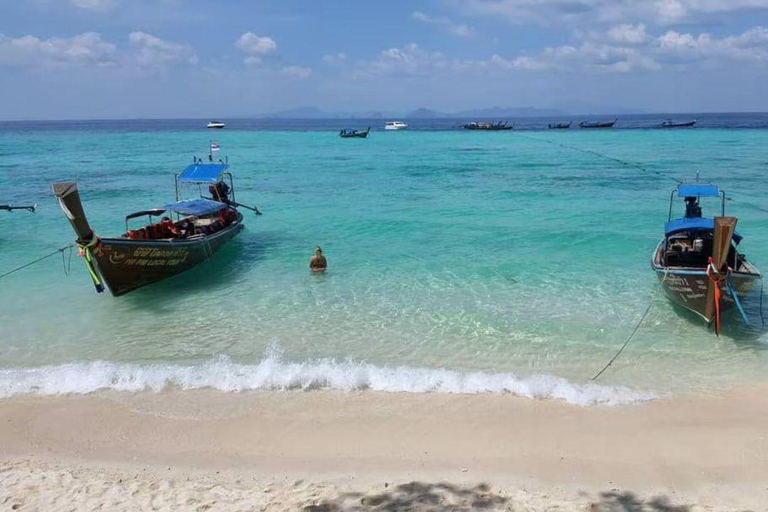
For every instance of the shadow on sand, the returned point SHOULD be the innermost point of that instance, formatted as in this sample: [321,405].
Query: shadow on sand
[418,496]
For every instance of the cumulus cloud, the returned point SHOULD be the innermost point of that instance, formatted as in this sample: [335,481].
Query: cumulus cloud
[456,29]
[589,56]
[627,48]
[95,5]
[83,49]
[751,45]
[563,12]
[297,72]
[335,59]
[251,44]
[156,52]
[628,34]
[409,60]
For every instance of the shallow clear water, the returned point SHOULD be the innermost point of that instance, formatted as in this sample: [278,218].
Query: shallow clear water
[502,253]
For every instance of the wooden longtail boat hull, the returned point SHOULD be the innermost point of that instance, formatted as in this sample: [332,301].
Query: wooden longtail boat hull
[125,265]
[597,125]
[688,287]
[678,125]
[353,135]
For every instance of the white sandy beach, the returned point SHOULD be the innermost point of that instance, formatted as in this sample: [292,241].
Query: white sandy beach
[205,450]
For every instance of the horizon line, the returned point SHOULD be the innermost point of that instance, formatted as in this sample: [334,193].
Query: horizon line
[276,116]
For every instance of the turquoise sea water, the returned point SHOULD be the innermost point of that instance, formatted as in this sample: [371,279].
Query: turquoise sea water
[459,261]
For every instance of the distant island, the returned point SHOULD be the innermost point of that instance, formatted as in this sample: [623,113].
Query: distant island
[428,113]
[419,113]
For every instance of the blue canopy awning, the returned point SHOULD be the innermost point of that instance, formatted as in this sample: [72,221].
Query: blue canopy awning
[688,224]
[693,224]
[697,190]
[196,207]
[202,173]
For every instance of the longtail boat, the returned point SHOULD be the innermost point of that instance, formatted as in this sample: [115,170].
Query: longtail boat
[698,261]
[352,134]
[669,123]
[598,124]
[188,233]
[9,208]
[491,127]
[559,126]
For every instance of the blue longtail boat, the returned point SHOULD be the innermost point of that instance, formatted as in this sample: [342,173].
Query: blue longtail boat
[698,260]
[189,232]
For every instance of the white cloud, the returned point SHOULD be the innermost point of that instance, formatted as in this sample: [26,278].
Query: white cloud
[95,5]
[251,44]
[591,12]
[83,49]
[456,29]
[155,52]
[589,56]
[252,61]
[628,34]
[335,59]
[409,60]
[751,45]
[297,72]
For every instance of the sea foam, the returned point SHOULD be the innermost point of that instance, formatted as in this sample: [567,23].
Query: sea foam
[272,373]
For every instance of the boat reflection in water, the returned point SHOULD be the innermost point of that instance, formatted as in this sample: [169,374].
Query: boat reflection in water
[175,237]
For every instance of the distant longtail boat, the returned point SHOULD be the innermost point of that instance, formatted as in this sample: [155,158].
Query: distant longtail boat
[597,124]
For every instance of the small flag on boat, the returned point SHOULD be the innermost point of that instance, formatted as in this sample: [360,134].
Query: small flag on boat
[215,147]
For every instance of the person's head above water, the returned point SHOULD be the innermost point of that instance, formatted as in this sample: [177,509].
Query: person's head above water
[318,250]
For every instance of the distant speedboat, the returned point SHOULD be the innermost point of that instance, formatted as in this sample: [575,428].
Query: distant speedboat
[669,123]
[698,261]
[395,125]
[560,126]
[351,134]
[488,126]
[216,124]
[597,124]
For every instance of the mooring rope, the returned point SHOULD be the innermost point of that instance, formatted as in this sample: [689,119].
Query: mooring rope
[60,250]
[642,319]
[602,155]
[632,164]
[634,331]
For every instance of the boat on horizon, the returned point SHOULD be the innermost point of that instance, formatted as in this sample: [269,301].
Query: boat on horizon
[559,126]
[698,261]
[159,250]
[669,123]
[497,126]
[598,124]
[215,124]
[395,125]
[351,134]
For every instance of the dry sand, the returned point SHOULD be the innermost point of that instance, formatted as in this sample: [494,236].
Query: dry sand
[322,450]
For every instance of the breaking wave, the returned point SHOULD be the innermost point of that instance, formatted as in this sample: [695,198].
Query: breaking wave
[272,373]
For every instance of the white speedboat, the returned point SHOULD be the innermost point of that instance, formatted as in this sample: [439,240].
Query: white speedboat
[395,125]
[216,124]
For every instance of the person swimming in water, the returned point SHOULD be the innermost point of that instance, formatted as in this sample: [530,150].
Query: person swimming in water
[318,263]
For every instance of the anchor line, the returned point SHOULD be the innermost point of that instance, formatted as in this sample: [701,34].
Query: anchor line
[634,331]
[631,164]
[38,260]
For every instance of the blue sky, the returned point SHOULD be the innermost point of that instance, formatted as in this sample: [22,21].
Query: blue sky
[76,59]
